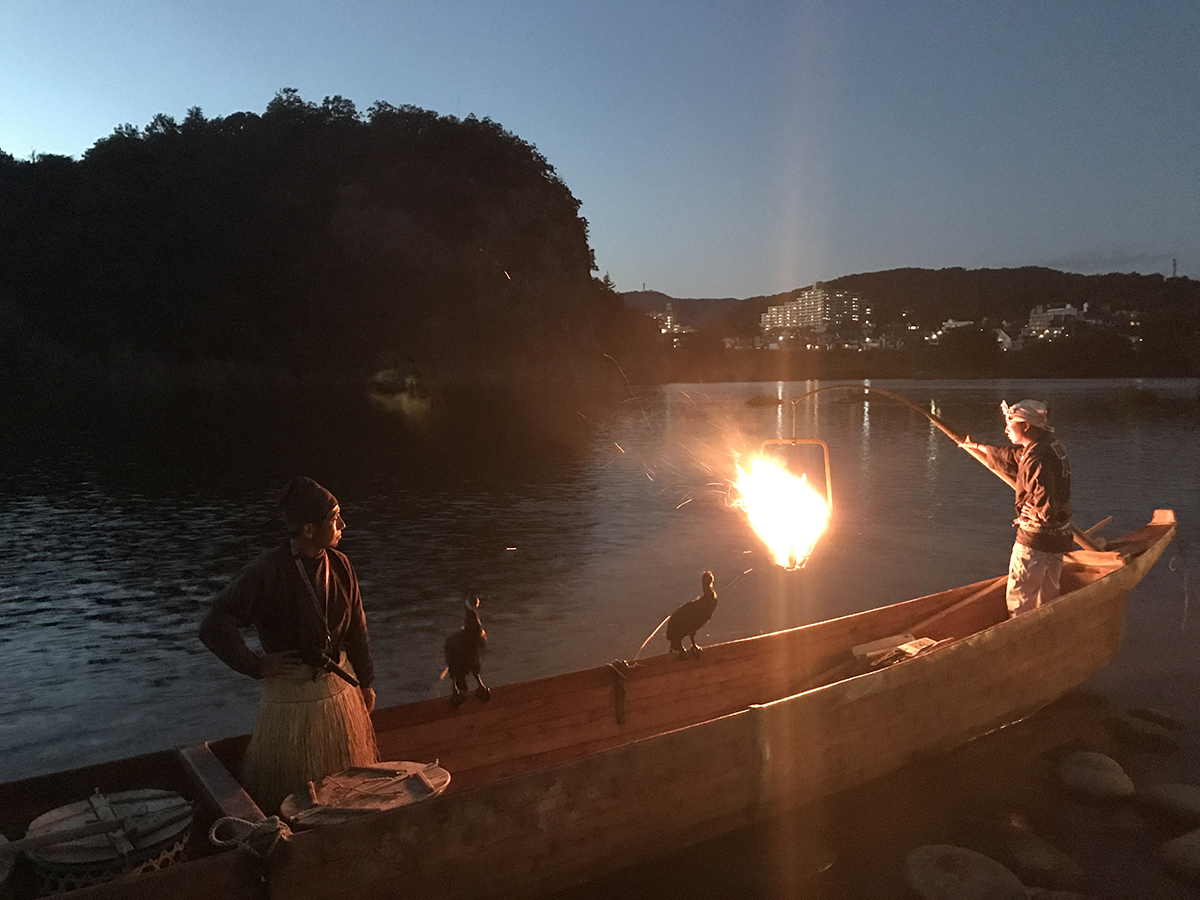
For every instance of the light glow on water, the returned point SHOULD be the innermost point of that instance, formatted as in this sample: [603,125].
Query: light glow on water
[104,586]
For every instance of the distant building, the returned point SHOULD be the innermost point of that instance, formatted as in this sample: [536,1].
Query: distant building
[1127,322]
[948,325]
[668,324]
[816,310]
[1046,323]
[1001,336]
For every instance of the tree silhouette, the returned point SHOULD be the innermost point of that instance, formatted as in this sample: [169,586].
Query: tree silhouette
[311,237]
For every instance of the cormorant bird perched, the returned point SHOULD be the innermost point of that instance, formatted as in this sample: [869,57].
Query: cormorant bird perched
[464,654]
[691,617]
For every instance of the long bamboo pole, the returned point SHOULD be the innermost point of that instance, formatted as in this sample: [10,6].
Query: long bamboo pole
[1080,537]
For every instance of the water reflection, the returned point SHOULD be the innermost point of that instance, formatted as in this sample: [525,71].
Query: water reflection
[116,547]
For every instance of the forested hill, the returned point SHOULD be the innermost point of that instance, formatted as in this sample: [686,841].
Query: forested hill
[930,296]
[310,238]
[907,305]
[934,295]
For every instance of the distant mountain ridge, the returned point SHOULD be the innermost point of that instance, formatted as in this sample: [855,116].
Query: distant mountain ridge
[929,296]
[694,311]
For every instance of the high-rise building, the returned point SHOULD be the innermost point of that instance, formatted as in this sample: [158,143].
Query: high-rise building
[816,309]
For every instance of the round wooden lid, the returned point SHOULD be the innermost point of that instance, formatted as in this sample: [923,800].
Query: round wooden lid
[107,827]
[363,789]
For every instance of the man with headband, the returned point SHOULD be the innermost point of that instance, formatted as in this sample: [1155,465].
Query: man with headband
[303,600]
[1038,464]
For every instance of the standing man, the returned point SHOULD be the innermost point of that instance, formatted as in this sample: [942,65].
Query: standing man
[303,600]
[1039,465]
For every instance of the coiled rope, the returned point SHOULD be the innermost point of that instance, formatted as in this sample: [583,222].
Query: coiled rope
[259,839]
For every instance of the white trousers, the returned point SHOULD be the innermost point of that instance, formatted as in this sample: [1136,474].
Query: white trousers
[1034,578]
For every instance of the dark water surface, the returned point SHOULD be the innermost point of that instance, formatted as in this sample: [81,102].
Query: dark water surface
[118,536]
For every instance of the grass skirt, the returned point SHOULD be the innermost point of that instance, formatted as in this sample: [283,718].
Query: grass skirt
[305,729]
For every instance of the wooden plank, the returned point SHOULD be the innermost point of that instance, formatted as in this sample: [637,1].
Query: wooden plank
[926,627]
[215,785]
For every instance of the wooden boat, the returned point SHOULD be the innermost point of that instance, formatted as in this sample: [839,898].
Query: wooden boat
[562,779]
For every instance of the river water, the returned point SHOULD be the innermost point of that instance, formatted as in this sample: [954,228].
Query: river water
[109,570]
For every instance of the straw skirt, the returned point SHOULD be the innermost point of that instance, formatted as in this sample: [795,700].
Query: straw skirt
[305,729]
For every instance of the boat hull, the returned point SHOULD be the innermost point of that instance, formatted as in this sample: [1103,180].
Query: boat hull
[561,780]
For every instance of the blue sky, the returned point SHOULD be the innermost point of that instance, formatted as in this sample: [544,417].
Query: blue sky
[717,148]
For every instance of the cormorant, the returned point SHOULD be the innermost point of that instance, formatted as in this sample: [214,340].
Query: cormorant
[691,617]
[464,655]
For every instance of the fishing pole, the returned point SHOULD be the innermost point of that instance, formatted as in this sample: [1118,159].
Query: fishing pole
[1081,537]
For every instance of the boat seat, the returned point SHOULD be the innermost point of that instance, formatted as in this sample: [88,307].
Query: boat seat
[882,645]
[886,651]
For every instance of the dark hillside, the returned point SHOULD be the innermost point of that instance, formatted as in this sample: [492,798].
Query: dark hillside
[930,296]
[309,239]
[934,295]
[690,311]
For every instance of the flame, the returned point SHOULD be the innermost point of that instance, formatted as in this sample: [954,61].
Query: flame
[783,509]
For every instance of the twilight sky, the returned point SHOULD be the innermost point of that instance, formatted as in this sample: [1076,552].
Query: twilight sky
[718,148]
